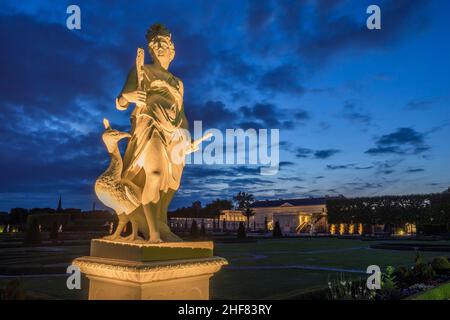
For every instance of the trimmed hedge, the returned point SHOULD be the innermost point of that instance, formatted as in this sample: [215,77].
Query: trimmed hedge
[48,220]
[428,209]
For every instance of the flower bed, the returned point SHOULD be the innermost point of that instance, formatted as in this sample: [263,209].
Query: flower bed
[423,281]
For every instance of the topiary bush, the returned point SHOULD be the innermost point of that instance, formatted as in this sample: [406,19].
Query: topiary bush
[404,276]
[277,230]
[33,234]
[440,265]
[423,272]
[202,230]
[194,229]
[241,231]
[54,232]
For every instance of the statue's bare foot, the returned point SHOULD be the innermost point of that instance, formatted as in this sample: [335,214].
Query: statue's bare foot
[155,239]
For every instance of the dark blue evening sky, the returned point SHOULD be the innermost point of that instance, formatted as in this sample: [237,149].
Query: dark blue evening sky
[360,112]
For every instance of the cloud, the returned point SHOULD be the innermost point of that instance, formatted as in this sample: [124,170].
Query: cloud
[336,31]
[384,150]
[364,168]
[340,167]
[402,136]
[386,167]
[325,154]
[302,115]
[419,104]
[317,154]
[234,68]
[303,152]
[259,15]
[53,86]
[51,75]
[403,141]
[213,114]
[348,166]
[415,170]
[249,182]
[282,79]
[323,90]
[363,186]
[291,179]
[265,112]
[354,115]
[264,115]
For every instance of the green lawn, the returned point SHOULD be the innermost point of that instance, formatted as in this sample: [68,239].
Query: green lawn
[289,282]
[441,292]
[266,269]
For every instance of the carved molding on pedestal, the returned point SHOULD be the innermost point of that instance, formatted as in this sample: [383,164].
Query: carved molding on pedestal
[144,272]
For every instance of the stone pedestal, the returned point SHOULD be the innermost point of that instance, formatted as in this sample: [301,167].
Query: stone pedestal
[141,271]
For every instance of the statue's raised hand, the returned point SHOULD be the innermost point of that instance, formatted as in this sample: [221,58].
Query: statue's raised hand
[138,97]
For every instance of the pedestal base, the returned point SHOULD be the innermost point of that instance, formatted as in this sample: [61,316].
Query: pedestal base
[119,279]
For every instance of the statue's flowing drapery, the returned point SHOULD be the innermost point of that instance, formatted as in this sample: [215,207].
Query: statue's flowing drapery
[155,123]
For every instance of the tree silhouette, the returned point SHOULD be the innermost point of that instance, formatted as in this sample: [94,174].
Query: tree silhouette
[244,201]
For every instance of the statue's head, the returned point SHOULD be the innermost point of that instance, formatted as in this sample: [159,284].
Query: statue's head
[160,44]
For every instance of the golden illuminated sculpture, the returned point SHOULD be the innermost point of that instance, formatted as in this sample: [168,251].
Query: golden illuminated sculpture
[152,262]
[141,187]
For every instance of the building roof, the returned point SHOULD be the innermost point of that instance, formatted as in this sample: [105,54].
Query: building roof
[292,202]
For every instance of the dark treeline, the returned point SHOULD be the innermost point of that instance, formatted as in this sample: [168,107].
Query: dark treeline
[19,216]
[422,210]
[211,210]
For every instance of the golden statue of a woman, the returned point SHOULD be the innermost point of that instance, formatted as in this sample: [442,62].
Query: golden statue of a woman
[156,124]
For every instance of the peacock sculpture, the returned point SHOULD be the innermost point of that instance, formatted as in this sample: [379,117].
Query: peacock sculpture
[124,197]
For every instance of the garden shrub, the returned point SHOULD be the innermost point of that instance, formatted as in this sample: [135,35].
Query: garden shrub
[54,231]
[194,229]
[13,290]
[389,289]
[277,230]
[241,231]
[404,276]
[440,265]
[423,272]
[33,234]
[202,229]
